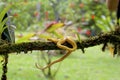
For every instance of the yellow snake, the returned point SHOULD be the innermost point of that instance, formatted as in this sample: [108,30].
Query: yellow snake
[59,43]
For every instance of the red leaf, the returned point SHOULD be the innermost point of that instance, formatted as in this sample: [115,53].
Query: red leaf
[81,5]
[93,16]
[88,32]
[15,15]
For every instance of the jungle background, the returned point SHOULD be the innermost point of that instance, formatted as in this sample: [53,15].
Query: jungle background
[86,18]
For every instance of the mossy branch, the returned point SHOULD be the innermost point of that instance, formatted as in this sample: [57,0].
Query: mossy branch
[111,37]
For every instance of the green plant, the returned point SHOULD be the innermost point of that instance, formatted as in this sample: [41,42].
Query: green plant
[3,26]
[3,22]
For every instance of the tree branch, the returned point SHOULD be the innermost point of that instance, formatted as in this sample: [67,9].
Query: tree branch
[111,37]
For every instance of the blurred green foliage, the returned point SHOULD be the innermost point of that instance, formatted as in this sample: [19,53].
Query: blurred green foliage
[32,15]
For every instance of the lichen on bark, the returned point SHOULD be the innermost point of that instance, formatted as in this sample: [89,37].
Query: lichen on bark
[109,37]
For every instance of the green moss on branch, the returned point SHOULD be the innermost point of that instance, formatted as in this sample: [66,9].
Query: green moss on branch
[111,37]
